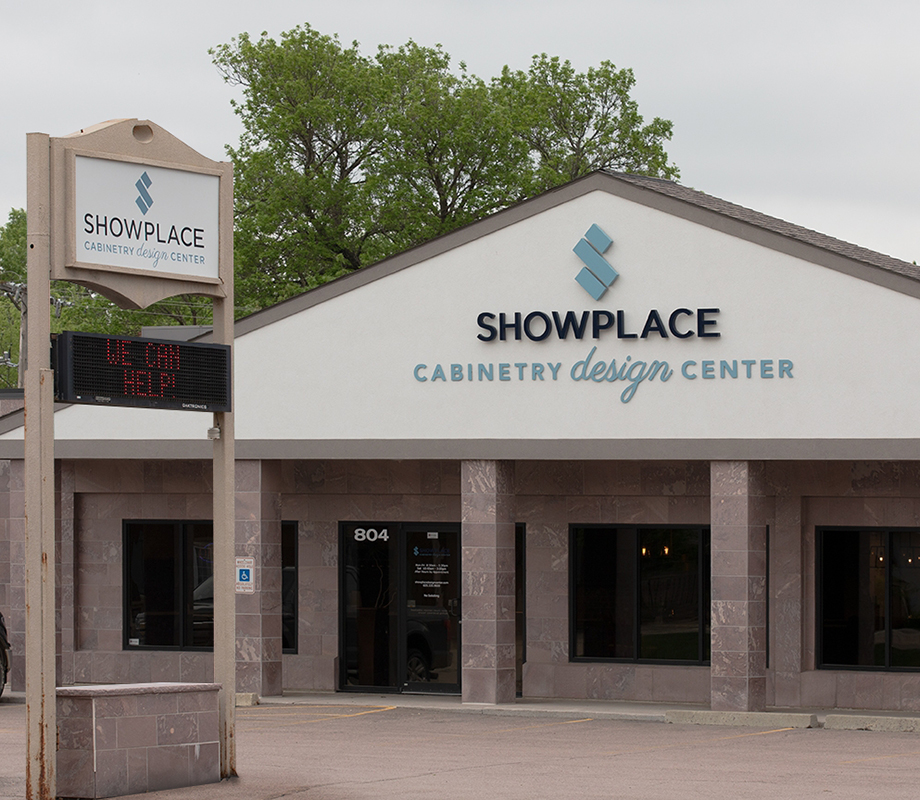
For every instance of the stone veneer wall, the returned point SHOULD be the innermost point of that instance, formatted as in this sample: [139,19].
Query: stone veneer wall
[741,512]
[816,494]
[105,494]
[94,497]
[550,497]
[319,495]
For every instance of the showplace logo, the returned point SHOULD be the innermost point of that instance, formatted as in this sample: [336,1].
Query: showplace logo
[144,201]
[597,275]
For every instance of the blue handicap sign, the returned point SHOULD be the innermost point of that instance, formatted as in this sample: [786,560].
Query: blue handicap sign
[245,576]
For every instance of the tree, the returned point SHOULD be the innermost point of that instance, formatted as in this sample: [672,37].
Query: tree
[346,159]
[449,154]
[12,283]
[313,116]
[576,123]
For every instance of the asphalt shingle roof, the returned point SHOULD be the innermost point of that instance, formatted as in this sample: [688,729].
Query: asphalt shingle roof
[766,222]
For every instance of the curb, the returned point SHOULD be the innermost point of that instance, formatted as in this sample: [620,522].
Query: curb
[866,722]
[744,719]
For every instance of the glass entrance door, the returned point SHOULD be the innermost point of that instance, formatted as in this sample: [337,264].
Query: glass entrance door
[400,606]
[432,608]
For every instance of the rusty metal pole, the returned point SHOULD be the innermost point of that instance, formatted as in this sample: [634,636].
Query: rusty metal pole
[41,666]
[225,514]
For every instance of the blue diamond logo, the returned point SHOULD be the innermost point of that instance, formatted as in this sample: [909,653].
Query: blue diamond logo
[144,200]
[597,275]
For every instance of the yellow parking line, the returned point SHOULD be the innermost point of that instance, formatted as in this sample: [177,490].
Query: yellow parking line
[315,717]
[701,740]
[756,733]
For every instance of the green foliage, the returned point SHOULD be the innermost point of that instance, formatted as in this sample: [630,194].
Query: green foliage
[13,247]
[346,159]
[576,123]
[449,154]
[313,117]
[12,277]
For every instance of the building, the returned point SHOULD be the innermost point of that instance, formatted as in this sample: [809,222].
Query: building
[623,441]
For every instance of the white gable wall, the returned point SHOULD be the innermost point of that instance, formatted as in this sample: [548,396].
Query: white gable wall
[344,369]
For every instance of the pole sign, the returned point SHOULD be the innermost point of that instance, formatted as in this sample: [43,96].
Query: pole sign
[127,210]
[139,216]
[96,369]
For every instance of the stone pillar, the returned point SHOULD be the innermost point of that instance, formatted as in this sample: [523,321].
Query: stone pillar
[487,578]
[739,634]
[787,655]
[258,615]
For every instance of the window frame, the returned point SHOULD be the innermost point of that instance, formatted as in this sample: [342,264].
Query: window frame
[704,579]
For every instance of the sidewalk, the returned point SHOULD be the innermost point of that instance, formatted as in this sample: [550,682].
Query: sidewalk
[675,713]
[838,719]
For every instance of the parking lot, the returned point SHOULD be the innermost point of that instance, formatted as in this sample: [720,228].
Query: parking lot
[332,751]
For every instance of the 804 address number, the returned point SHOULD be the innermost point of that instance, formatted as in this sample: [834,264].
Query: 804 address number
[371,535]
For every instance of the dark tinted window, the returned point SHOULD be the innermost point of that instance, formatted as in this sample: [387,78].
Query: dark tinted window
[869,598]
[289,587]
[640,593]
[169,584]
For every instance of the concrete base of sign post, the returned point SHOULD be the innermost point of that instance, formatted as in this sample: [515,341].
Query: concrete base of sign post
[246,699]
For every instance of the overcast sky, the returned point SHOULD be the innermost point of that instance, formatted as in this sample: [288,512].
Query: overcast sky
[808,110]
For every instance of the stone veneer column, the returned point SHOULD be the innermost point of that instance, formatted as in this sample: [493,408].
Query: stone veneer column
[787,580]
[739,668]
[487,578]
[258,615]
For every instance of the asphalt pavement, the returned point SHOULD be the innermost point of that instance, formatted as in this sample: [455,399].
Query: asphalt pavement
[338,747]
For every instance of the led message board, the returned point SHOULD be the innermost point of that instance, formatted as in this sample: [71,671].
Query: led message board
[96,369]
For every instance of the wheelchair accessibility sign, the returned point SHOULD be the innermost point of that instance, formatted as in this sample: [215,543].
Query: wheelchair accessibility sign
[245,575]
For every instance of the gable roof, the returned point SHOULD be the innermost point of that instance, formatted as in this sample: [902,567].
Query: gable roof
[771,224]
[664,195]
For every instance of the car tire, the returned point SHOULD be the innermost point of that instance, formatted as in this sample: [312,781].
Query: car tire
[417,669]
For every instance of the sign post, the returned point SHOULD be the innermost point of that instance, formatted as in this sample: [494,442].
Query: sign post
[41,669]
[129,211]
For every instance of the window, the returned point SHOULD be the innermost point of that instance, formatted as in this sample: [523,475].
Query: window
[289,587]
[169,584]
[868,598]
[639,593]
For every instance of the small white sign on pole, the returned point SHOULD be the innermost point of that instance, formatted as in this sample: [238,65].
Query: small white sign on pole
[245,575]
